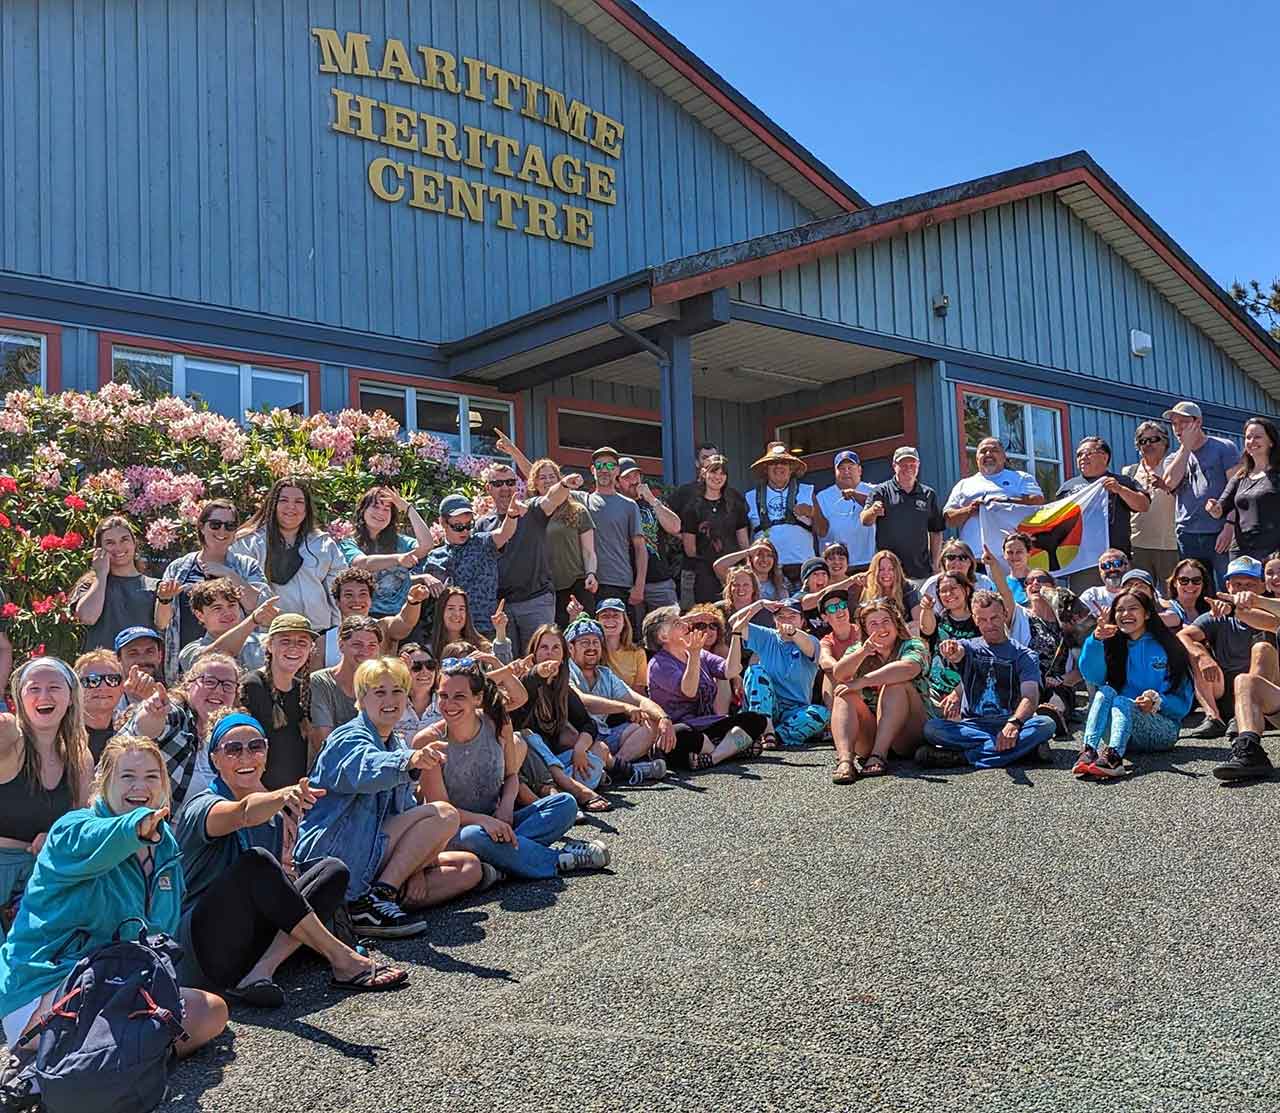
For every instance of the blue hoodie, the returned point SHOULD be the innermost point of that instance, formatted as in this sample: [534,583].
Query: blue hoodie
[1147,668]
[86,883]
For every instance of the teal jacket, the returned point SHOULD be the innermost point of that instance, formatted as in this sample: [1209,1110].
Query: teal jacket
[86,883]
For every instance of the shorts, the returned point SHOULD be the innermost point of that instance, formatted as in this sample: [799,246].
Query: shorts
[612,737]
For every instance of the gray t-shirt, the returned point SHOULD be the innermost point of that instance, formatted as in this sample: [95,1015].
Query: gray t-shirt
[524,567]
[330,705]
[128,601]
[617,520]
[475,770]
[253,655]
[1206,476]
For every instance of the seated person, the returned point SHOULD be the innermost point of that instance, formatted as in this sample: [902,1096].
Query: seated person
[216,605]
[353,590]
[101,683]
[100,866]
[621,653]
[836,554]
[1000,685]
[629,724]
[1189,587]
[248,903]
[140,650]
[885,579]
[881,685]
[780,684]
[333,690]
[1112,565]
[420,710]
[454,623]
[1016,548]
[683,681]
[370,818]
[479,778]
[1228,642]
[1143,681]
[844,634]
[815,578]
[278,695]
[710,621]
[1257,699]
[1144,583]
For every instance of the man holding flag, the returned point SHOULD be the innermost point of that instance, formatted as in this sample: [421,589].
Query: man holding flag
[995,481]
[1124,498]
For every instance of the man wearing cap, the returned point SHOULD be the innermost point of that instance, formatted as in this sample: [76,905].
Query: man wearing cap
[994,482]
[906,516]
[141,653]
[469,557]
[781,508]
[1194,474]
[524,564]
[840,506]
[1230,641]
[1124,498]
[273,695]
[656,519]
[622,558]
[1152,532]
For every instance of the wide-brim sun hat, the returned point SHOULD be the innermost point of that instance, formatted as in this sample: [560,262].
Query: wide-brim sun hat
[777,453]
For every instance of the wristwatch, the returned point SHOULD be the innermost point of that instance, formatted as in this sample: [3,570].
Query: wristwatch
[1014,719]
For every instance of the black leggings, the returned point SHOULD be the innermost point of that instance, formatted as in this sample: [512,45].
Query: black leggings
[690,740]
[238,916]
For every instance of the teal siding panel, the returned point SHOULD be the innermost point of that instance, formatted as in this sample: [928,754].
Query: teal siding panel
[79,359]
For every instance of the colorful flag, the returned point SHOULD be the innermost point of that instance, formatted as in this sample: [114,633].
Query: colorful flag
[1067,536]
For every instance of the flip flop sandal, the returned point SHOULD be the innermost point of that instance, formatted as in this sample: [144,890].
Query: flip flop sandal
[698,762]
[875,766]
[262,994]
[596,803]
[372,980]
[769,741]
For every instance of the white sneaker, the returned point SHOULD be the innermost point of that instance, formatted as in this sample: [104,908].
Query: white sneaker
[576,855]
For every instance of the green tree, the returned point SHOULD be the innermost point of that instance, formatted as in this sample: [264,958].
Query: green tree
[1260,302]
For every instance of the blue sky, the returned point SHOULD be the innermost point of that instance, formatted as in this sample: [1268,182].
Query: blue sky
[1175,100]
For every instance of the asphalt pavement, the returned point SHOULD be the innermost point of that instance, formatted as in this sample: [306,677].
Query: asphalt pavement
[942,940]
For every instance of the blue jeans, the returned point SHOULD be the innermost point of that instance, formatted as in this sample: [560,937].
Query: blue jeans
[536,826]
[977,738]
[1115,722]
[595,771]
[1199,546]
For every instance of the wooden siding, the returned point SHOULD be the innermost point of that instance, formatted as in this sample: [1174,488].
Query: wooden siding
[184,150]
[1027,281]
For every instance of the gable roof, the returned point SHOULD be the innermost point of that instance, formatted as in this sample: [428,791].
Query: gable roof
[1076,180]
[630,33]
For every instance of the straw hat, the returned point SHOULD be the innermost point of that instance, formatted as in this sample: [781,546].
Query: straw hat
[776,452]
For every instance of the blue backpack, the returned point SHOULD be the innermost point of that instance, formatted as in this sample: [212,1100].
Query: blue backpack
[105,1044]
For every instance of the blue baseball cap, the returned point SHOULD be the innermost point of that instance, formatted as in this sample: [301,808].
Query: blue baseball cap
[456,503]
[1245,566]
[627,464]
[1138,574]
[795,602]
[614,604]
[848,456]
[133,633]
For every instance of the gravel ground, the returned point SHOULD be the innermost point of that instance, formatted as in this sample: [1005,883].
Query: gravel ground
[933,941]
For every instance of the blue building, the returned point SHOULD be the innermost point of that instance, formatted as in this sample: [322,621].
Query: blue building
[550,217]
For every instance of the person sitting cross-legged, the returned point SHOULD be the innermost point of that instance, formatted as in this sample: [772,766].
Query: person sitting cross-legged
[779,685]
[1257,699]
[1000,682]
[1143,681]
[881,686]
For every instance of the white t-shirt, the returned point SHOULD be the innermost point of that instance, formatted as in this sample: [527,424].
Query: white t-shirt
[794,543]
[1097,598]
[845,524]
[1007,484]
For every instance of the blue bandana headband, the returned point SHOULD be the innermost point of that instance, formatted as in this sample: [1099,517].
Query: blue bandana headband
[228,723]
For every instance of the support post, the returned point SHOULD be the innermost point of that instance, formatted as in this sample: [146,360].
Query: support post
[677,409]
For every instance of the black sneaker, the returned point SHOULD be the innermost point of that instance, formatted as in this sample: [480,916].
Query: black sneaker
[1109,764]
[17,1087]
[1210,728]
[378,915]
[1043,754]
[937,757]
[1248,761]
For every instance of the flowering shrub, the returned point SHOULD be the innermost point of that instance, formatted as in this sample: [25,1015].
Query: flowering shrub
[68,460]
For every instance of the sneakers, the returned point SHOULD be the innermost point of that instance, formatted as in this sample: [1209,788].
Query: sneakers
[1248,760]
[1086,759]
[1109,764]
[18,1093]
[643,772]
[938,757]
[378,915]
[577,855]
[1043,754]
[1210,728]
[489,877]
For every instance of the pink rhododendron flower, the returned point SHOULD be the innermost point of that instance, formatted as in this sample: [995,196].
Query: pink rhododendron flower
[162,533]
[50,456]
[13,423]
[341,530]
[355,420]
[110,480]
[427,446]
[383,426]
[382,463]
[18,400]
[49,479]
[117,394]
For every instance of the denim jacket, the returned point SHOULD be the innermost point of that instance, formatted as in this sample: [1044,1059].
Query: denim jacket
[366,782]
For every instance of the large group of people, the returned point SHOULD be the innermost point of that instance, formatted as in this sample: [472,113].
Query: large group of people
[285,742]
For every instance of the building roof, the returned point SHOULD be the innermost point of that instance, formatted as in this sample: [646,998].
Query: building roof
[1077,181]
[630,33]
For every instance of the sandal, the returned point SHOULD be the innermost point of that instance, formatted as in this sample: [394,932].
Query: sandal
[875,766]
[698,762]
[377,979]
[845,773]
[769,741]
[264,993]
[596,803]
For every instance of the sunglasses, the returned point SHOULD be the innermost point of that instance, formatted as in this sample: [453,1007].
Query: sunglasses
[220,525]
[235,749]
[460,527]
[1113,565]
[212,683]
[422,666]
[502,483]
[835,607]
[1188,581]
[1144,441]
[701,627]
[97,679]
[1041,580]
[957,556]
[606,465]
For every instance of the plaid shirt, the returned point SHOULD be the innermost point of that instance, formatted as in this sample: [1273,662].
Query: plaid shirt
[180,744]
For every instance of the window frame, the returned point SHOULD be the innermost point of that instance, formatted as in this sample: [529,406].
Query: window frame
[50,337]
[385,380]
[878,449]
[581,458]
[246,362]
[1061,408]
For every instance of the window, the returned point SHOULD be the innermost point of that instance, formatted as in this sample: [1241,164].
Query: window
[226,388]
[465,423]
[1031,434]
[845,428]
[22,361]
[588,431]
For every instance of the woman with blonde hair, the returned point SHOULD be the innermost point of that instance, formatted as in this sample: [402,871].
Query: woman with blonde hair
[571,544]
[885,579]
[101,679]
[621,653]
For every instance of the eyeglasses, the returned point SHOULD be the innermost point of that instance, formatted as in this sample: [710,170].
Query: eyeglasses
[220,525]
[835,607]
[1081,452]
[1113,565]
[97,679]
[1190,581]
[1042,581]
[606,465]
[235,749]
[502,483]
[459,527]
[1144,441]
[422,666]
[211,683]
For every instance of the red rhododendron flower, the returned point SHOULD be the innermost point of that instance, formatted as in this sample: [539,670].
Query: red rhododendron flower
[50,541]
[75,502]
[38,651]
[9,610]
[8,485]
[41,606]
[72,540]
[5,523]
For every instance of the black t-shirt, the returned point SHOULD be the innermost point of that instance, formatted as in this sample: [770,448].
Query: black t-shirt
[909,518]
[683,496]
[287,757]
[98,739]
[1117,508]
[714,524]
[524,565]
[1255,502]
